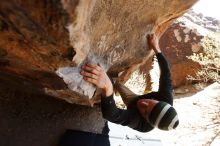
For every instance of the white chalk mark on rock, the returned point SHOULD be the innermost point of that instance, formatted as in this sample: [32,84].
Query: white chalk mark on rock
[75,81]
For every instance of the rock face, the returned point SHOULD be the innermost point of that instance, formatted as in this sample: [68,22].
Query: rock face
[178,42]
[182,39]
[29,119]
[212,24]
[37,38]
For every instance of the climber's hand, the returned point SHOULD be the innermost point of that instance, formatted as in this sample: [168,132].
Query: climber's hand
[96,75]
[153,43]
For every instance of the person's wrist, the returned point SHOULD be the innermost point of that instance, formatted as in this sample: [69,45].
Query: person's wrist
[108,90]
[157,49]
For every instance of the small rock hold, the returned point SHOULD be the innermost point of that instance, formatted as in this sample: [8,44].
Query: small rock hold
[3,52]
[70,53]
[4,62]
[181,91]
[194,103]
[3,25]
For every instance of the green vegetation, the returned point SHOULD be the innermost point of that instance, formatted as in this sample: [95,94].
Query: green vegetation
[209,59]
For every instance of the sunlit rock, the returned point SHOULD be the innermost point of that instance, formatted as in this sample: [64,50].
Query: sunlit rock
[41,37]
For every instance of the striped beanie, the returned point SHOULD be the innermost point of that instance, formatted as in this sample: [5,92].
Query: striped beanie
[163,116]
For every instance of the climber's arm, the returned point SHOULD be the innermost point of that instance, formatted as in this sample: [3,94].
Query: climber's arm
[96,75]
[165,83]
[112,113]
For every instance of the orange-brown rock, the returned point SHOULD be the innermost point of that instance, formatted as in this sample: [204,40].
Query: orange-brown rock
[179,42]
[37,38]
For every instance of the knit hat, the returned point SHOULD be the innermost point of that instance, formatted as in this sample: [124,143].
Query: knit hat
[163,116]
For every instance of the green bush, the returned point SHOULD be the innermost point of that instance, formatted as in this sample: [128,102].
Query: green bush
[209,59]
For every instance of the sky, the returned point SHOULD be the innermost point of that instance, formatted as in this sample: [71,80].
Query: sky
[208,8]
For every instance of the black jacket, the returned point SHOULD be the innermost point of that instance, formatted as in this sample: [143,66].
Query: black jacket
[131,116]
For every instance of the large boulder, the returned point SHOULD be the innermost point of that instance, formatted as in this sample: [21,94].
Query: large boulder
[183,38]
[178,43]
[39,38]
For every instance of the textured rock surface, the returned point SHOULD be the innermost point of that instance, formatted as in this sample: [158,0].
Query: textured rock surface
[39,37]
[180,40]
[34,42]
[116,30]
[29,119]
[35,38]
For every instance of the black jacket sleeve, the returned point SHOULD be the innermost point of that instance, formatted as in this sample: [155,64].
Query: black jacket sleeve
[112,113]
[129,117]
[165,82]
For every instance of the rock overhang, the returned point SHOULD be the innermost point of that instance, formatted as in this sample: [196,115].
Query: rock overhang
[113,31]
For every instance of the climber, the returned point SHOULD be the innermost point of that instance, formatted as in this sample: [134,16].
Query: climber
[144,112]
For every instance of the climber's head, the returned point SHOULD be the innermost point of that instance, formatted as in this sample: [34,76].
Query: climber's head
[158,114]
